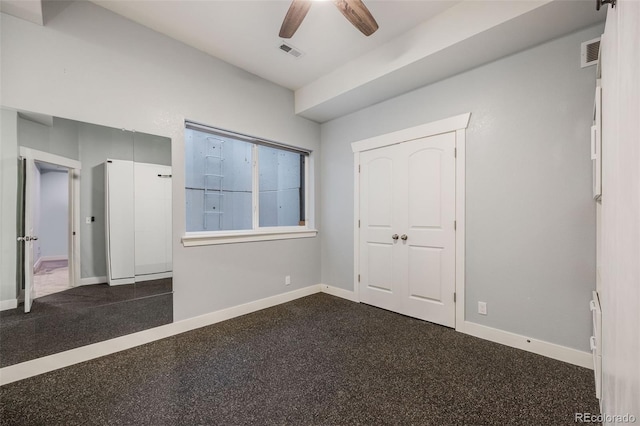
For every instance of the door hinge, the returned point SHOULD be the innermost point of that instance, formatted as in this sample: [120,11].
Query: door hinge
[455,152]
[454,297]
[358,223]
[358,277]
[359,168]
[455,225]
[74,233]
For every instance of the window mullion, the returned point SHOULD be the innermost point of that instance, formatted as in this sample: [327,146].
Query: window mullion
[255,187]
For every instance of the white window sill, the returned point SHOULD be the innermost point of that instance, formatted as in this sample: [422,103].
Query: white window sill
[193,239]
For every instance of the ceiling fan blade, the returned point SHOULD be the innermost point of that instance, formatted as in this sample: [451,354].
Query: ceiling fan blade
[358,14]
[296,13]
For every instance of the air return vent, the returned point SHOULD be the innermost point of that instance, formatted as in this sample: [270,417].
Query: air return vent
[590,52]
[289,49]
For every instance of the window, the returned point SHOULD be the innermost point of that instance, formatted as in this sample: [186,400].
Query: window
[238,186]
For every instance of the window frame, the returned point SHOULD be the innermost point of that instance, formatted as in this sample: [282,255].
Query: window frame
[257,233]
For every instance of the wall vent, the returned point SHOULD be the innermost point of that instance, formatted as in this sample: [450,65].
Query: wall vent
[590,52]
[289,49]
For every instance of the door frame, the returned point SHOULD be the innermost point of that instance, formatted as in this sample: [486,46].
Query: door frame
[457,124]
[74,166]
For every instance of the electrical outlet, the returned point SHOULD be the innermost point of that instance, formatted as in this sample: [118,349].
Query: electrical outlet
[287,280]
[482,308]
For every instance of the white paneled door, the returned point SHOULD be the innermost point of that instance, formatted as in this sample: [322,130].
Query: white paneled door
[407,231]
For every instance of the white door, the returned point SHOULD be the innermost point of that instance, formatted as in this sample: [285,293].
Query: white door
[152,218]
[119,224]
[407,235]
[28,238]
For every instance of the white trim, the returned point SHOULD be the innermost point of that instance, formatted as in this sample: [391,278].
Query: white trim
[121,281]
[53,258]
[456,124]
[339,292]
[461,149]
[540,347]
[85,353]
[446,125]
[74,167]
[210,238]
[47,157]
[48,259]
[5,305]
[154,276]
[92,280]
[74,227]
[356,224]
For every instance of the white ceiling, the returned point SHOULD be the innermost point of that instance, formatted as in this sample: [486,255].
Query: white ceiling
[418,43]
[245,33]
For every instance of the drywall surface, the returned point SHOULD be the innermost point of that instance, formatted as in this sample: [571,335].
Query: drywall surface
[530,240]
[8,204]
[620,227]
[94,66]
[54,219]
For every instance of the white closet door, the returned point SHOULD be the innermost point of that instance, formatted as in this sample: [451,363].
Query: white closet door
[379,208]
[408,190]
[428,252]
[120,223]
[152,218]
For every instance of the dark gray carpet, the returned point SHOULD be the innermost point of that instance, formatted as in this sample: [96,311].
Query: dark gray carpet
[81,316]
[314,361]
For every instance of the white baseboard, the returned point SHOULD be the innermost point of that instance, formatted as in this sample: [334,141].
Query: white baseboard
[85,353]
[53,258]
[93,280]
[339,292]
[5,305]
[540,347]
[157,276]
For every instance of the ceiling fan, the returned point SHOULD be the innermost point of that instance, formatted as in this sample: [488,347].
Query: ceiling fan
[354,10]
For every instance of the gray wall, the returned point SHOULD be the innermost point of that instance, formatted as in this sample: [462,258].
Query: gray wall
[60,139]
[530,217]
[54,221]
[8,203]
[94,66]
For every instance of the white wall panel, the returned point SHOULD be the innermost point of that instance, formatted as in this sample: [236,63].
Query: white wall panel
[620,220]
[120,221]
[152,207]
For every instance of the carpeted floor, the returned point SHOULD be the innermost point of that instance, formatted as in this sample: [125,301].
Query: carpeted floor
[319,360]
[81,316]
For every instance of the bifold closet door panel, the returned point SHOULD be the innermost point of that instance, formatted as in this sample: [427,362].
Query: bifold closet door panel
[120,221]
[379,209]
[152,218]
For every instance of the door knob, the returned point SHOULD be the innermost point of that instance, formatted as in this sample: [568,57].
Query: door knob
[404,237]
[395,237]
[34,238]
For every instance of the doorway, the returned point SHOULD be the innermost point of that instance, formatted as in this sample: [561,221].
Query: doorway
[48,224]
[51,225]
